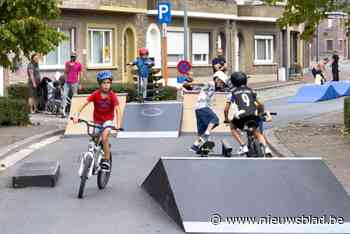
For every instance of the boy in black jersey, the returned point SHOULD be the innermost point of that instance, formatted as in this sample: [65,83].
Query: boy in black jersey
[245,108]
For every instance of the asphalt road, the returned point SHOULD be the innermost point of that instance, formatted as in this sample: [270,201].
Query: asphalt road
[123,207]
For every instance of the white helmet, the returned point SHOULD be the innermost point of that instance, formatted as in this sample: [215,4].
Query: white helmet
[221,76]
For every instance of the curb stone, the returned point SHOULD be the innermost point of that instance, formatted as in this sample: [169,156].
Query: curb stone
[276,146]
[4,151]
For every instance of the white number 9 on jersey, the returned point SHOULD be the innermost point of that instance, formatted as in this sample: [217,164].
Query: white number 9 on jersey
[246,99]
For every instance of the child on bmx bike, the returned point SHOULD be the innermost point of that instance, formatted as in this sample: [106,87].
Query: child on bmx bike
[106,104]
[246,105]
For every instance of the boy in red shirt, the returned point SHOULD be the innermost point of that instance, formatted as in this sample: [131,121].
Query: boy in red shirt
[105,105]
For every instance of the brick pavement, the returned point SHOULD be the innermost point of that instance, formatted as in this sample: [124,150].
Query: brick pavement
[321,137]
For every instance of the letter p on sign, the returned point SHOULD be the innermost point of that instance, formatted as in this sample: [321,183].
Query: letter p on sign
[164,13]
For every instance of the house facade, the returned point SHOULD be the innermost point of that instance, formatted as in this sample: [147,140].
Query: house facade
[106,34]
[332,38]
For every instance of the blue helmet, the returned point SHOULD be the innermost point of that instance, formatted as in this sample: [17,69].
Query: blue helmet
[104,75]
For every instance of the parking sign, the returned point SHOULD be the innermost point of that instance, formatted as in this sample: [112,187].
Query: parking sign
[164,12]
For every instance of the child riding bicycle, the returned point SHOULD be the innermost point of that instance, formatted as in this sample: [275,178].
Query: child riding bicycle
[144,65]
[245,109]
[106,103]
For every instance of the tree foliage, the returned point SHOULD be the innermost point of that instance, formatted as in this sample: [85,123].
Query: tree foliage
[310,12]
[24,29]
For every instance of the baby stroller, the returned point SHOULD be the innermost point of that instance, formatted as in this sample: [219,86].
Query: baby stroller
[54,97]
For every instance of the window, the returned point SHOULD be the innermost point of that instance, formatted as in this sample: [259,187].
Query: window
[100,44]
[263,49]
[329,44]
[56,58]
[330,23]
[341,44]
[200,48]
[175,47]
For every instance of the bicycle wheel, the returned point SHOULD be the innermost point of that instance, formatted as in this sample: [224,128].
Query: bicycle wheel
[84,176]
[258,149]
[103,176]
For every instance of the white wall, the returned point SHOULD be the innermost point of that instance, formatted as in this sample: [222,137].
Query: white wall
[153,43]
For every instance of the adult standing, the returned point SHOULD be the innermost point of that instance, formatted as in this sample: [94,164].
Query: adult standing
[72,73]
[320,68]
[33,82]
[219,63]
[335,67]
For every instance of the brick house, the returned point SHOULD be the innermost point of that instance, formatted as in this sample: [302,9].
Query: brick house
[332,38]
[107,33]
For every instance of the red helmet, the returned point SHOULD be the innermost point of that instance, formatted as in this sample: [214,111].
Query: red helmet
[143,51]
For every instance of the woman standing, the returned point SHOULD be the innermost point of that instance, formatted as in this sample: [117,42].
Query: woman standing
[335,67]
[33,82]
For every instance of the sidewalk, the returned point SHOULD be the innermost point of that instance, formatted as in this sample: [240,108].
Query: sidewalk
[320,137]
[16,137]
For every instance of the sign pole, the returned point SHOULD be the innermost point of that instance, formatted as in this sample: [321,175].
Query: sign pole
[165,53]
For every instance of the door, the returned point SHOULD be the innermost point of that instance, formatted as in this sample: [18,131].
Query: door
[129,53]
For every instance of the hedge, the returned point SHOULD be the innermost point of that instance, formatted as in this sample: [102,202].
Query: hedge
[347,113]
[170,93]
[13,112]
[20,91]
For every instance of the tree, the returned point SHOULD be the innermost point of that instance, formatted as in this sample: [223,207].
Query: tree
[24,29]
[310,12]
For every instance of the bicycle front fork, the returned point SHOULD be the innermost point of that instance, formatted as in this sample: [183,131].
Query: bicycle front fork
[82,164]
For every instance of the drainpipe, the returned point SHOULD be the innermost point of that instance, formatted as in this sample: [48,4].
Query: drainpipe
[185,30]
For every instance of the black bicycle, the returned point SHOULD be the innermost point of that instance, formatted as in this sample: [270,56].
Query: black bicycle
[256,149]
[90,160]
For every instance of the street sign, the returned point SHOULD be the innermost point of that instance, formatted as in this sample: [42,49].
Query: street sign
[184,66]
[164,13]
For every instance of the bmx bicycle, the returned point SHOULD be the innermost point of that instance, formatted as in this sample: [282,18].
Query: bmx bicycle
[255,148]
[90,160]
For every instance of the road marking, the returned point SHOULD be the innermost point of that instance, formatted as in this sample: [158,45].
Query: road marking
[12,159]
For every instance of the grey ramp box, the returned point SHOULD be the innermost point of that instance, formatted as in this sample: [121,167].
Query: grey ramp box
[193,191]
[152,120]
[43,174]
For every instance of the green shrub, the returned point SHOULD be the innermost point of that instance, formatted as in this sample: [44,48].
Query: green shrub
[13,112]
[19,91]
[170,93]
[347,113]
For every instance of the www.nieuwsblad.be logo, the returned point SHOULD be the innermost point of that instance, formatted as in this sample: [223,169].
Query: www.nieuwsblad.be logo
[217,219]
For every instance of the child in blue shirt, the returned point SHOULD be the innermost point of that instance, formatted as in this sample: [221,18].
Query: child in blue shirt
[144,64]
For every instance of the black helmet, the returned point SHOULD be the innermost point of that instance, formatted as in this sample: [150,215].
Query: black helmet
[238,79]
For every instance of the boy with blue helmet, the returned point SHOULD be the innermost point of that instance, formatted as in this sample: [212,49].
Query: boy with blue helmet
[106,106]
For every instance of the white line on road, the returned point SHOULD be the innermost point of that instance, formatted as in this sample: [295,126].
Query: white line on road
[12,159]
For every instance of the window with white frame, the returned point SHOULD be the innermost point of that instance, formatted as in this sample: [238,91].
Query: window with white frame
[56,58]
[330,23]
[263,49]
[200,48]
[100,44]
[175,47]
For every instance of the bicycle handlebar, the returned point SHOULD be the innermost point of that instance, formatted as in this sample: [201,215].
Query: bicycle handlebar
[97,126]
[262,115]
